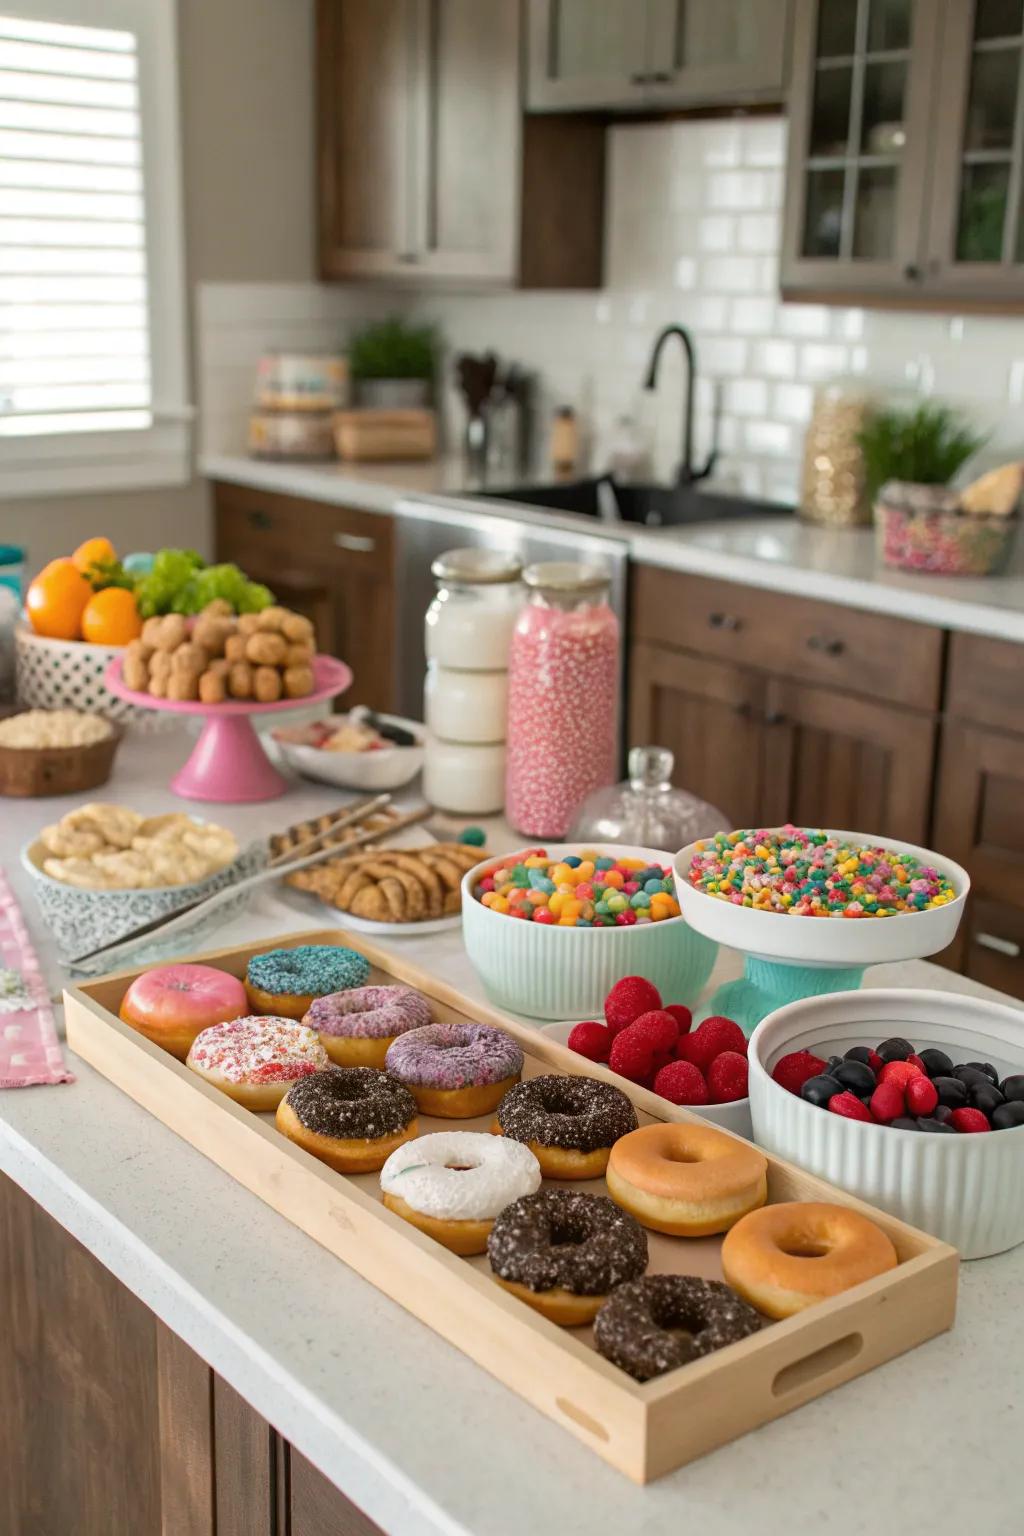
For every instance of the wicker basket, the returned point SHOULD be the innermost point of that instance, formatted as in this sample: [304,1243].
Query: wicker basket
[68,674]
[34,771]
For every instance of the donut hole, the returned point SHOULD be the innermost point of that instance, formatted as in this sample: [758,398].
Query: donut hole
[461,1167]
[567,1233]
[560,1099]
[805,1247]
[680,1155]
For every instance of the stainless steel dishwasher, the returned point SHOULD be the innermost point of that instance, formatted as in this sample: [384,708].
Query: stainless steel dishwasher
[425,530]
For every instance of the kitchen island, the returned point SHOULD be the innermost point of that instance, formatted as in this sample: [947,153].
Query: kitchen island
[368,1399]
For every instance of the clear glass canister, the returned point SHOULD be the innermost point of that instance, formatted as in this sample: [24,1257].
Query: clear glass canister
[563,697]
[645,809]
[469,623]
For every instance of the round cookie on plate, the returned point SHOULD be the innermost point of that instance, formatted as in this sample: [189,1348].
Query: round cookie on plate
[285,982]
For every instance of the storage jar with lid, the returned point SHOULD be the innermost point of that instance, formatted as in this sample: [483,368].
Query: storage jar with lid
[563,697]
[646,809]
[469,623]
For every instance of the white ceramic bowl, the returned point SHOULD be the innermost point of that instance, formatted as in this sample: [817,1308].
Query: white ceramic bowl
[820,941]
[967,1190]
[548,972]
[733,1117]
[386,768]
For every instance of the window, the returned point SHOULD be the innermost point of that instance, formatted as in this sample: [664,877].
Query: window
[92,321]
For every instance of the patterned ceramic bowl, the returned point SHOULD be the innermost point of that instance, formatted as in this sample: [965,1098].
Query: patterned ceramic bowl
[68,674]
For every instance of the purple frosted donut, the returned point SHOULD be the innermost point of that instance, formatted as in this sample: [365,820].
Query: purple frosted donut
[369,1013]
[456,1071]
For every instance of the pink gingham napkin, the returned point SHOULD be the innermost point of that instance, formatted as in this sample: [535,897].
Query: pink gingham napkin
[30,1052]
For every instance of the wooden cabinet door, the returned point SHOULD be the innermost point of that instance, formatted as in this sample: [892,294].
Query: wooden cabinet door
[976,231]
[836,760]
[707,714]
[862,97]
[366,78]
[717,50]
[586,54]
[466,136]
[317,1508]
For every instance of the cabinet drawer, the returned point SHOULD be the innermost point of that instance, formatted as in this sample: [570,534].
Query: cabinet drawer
[793,636]
[994,947]
[263,530]
[986,682]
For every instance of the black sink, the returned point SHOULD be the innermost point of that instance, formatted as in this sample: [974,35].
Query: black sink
[654,506]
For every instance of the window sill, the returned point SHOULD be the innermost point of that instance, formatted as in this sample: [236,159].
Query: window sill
[79,463]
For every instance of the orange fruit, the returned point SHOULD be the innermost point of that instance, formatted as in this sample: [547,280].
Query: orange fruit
[92,551]
[111,617]
[56,600]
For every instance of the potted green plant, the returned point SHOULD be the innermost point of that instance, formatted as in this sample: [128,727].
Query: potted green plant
[919,445]
[393,364]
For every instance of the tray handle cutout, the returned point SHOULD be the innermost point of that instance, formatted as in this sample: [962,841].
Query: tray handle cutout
[800,1373]
[581,1417]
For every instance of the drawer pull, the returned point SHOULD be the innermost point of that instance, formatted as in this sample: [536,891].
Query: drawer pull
[774,717]
[1001,946]
[641,78]
[660,77]
[356,543]
[261,520]
[725,621]
[825,646]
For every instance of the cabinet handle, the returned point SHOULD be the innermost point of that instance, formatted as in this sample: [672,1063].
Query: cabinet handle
[826,646]
[261,520]
[642,78]
[725,621]
[773,717]
[357,543]
[660,77]
[409,257]
[912,272]
[744,709]
[1001,946]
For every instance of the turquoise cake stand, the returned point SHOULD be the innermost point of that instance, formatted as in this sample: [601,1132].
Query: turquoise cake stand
[787,958]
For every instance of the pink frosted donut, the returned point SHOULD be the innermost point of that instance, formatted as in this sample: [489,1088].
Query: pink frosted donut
[256,1059]
[456,1071]
[357,1026]
[174,1003]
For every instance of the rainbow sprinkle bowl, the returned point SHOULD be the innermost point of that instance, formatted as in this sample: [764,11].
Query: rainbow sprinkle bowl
[789,956]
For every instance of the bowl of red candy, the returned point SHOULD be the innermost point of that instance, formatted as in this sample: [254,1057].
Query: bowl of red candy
[654,1045]
[912,1100]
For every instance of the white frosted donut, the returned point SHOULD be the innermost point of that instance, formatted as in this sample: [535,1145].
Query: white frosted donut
[460,1175]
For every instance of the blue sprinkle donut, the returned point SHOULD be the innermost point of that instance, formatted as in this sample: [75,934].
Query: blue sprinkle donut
[286,981]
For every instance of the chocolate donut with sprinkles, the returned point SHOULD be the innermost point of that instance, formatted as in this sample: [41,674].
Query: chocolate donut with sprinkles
[285,981]
[562,1251]
[570,1124]
[456,1071]
[351,1118]
[659,1322]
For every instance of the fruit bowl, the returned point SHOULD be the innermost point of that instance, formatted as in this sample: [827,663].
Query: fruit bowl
[967,1190]
[550,972]
[69,674]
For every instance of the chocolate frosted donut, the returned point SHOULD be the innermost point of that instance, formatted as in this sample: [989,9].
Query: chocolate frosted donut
[561,1240]
[456,1071]
[654,1324]
[351,1103]
[357,1025]
[569,1123]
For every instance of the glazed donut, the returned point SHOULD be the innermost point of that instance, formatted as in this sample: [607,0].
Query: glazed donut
[688,1180]
[172,1004]
[561,1252]
[253,1060]
[568,1123]
[789,1256]
[285,982]
[452,1184]
[656,1323]
[351,1118]
[357,1026]
[456,1071]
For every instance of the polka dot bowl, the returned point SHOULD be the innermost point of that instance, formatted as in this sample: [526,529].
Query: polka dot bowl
[550,972]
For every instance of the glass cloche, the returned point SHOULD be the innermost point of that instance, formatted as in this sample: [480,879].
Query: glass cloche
[644,810]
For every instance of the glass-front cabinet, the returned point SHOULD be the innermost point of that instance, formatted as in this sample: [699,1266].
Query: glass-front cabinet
[906,154]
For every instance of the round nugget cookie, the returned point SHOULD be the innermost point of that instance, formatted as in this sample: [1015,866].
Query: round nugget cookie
[656,1323]
[356,1026]
[286,981]
[456,1071]
[570,1124]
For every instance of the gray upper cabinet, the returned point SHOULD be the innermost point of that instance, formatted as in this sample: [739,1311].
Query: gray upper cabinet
[906,152]
[615,55]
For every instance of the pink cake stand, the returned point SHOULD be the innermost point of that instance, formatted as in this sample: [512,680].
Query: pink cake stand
[228,763]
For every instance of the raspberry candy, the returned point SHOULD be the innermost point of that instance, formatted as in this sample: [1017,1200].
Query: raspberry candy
[660,1027]
[727,1077]
[969,1120]
[628,999]
[682,1016]
[922,1096]
[592,1040]
[887,1102]
[849,1106]
[682,1083]
[711,1038]
[899,1072]
[792,1071]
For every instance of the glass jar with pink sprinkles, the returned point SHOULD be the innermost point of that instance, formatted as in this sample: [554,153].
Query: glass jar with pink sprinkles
[563,697]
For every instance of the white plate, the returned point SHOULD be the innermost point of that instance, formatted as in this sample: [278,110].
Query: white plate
[388,768]
[408,839]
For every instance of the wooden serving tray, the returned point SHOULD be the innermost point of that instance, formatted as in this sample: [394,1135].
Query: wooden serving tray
[644,1429]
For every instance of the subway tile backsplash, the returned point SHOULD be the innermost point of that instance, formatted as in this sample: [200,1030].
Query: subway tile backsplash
[693,232]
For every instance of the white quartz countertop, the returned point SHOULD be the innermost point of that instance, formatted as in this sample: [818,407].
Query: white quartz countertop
[417,1435]
[783,554]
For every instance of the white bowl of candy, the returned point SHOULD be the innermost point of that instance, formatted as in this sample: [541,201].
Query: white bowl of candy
[934,1135]
[359,750]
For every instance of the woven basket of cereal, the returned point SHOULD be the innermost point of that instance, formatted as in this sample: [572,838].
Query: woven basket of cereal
[68,674]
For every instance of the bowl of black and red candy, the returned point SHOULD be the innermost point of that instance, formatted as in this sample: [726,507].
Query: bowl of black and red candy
[912,1100]
[657,1046]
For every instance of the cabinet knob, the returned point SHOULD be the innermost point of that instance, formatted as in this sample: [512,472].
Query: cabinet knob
[261,520]
[724,621]
[1001,946]
[912,272]
[826,646]
[356,543]
[774,717]
[409,257]
[744,709]
[641,78]
[660,77]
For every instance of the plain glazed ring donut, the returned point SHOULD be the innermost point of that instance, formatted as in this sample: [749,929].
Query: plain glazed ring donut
[660,1322]
[561,1252]
[452,1184]
[456,1071]
[285,981]
[351,1118]
[356,1026]
[568,1123]
[789,1256]
[688,1180]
